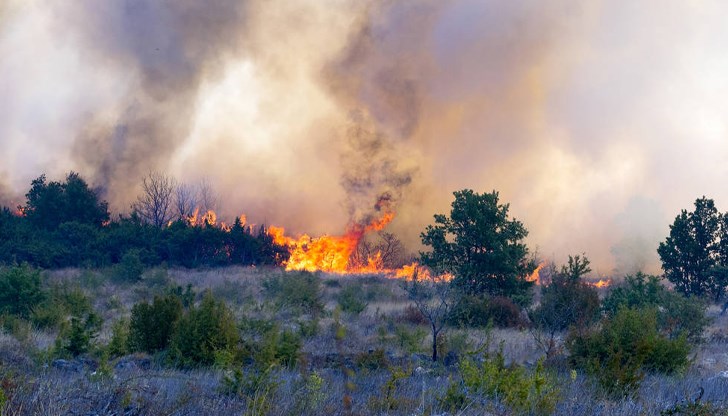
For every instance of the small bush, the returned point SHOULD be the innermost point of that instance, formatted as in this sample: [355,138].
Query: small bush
[676,314]
[299,290]
[566,303]
[412,315]
[119,343]
[151,325]
[78,337]
[372,360]
[534,393]
[203,333]
[349,299]
[20,290]
[624,348]
[130,268]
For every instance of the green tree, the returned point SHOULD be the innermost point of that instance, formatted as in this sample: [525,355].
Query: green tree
[481,247]
[151,326]
[49,204]
[695,250]
[565,302]
[204,333]
[20,290]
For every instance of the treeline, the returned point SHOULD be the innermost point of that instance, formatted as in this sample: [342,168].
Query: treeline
[66,224]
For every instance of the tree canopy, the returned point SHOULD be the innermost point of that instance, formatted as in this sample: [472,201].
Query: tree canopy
[481,246]
[694,256]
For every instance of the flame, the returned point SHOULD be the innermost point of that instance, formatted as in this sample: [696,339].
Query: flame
[601,283]
[423,273]
[535,276]
[330,253]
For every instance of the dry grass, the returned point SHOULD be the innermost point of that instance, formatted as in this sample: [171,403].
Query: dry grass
[35,388]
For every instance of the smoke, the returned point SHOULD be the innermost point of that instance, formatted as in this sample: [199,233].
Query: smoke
[595,120]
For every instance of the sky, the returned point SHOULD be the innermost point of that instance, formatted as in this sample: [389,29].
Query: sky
[597,121]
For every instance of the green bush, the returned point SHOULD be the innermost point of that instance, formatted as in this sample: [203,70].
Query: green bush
[480,312]
[203,333]
[20,290]
[677,315]
[625,347]
[298,290]
[566,303]
[372,360]
[534,393]
[119,343]
[130,268]
[269,344]
[77,338]
[349,299]
[151,326]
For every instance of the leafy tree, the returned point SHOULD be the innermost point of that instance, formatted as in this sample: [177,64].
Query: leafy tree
[481,247]
[695,250]
[677,315]
[49,204]
[565,302]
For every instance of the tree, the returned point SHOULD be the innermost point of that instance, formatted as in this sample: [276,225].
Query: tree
[185,201]
[432,295]
[481,247]
[565,302]
[49,204]
[154,205]
[695,253]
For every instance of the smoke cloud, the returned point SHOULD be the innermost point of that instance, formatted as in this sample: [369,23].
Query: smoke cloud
[596,121]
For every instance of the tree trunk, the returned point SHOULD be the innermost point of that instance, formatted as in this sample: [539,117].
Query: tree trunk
[434,344]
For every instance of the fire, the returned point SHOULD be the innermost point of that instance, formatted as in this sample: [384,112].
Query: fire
[330,253]
[535,276]
[601,283]
[423,273]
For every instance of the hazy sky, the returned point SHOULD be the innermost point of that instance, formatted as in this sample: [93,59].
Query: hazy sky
[596,120]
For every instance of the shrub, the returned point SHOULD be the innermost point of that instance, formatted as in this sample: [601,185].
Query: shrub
[624,348]
[204,332]
[566,303]
[20,290]
[78,337]
[269,344]
[119,343]
[130,268]
[534,393]
[151,326]
[676,314]
[480,312]
[372,360]
[349,299]
[299,290]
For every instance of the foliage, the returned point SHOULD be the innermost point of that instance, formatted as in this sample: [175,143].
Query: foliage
[20,290]
[677,315]
[349,299]
[565,302]
[481,312]
[525,392]
[695,254]
[481,247]
[119,343]
[50,204]
[298,290]
[151,325]
[269,344]
[202,333]
[433,297]
[372,360]
[626,346]
[130,268]
[78,337]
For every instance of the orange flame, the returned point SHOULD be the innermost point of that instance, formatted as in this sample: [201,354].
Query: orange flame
[330,253]
[535,276]
[601,283]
